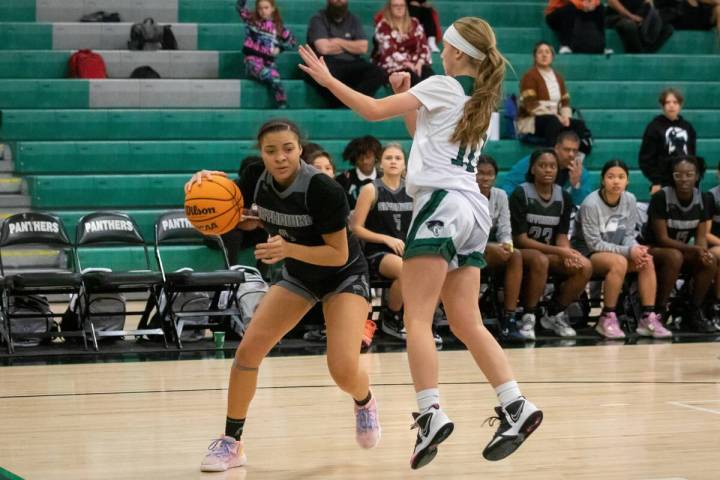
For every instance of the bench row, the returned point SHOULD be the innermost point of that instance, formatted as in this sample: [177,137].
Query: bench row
[243,124]
[166,191]
[521,14]
[218,36]
[189,64]
[84,158]
[249,94]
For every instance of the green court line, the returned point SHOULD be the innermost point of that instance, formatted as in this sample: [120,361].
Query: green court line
[6,475]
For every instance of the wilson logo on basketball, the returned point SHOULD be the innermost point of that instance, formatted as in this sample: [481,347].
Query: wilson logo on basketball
[194,210]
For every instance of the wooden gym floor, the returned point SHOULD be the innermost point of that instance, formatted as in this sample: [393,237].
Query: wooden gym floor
[611,412]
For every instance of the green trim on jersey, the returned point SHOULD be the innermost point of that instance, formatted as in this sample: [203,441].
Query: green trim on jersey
[425,212]
[475,259]
[443,247]
[467,83]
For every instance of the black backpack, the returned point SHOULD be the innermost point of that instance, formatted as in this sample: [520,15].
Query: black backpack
[110,303]
[185,302]
[146,35]
[168,39]
[145,71]
[42,323]
[101,16]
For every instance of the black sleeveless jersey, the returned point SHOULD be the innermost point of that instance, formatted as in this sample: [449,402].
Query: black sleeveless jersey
[313,205]
[682,220]
[390,215]
[541,220]
[714,194]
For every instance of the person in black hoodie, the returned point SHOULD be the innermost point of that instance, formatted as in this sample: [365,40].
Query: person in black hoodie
[667,136]
[363,153]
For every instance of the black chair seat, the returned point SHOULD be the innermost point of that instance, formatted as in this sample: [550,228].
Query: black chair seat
[200,279]
[96,280]
[43,279]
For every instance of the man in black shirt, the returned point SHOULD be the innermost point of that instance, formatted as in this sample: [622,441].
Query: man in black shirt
[338,36]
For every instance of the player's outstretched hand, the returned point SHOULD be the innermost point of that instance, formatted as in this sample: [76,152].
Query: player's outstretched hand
[200,176]
[400,82]
[314,66]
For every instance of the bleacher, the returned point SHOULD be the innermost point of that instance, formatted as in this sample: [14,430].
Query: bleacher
[81,145]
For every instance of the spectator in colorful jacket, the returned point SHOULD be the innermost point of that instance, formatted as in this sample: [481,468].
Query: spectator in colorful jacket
[401,44]
[266,36]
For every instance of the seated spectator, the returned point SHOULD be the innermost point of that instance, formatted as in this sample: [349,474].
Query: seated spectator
[690,14]
[713,240]
[677,228]
[401,45]
[668,135]
[639,25]
[363,153]
[540,220]
[308,148]
[265,38]
[323,162]
[338,36]
[578,24]
[382,220]
[544,104]
[605,232]
[503,258]
[571,176]
[429,19]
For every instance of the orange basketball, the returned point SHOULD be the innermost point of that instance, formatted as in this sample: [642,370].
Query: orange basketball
[214,206]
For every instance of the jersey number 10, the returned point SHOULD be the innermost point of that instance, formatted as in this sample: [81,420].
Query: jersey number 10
[469,161]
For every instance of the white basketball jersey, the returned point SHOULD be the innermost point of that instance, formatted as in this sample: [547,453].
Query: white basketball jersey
[435,162]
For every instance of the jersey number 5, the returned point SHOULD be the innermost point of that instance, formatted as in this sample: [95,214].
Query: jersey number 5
[468,161]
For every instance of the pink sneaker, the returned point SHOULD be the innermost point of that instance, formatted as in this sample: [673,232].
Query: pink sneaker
[609,327]
[651,326]
[223,453]
[367,424]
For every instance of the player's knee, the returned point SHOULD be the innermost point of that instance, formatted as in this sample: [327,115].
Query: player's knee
[343,372]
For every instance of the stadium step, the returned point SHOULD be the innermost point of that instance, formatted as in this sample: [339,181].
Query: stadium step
[249,94]
[218,36]
[83,158]
[13,201]
[53,192]
[243,124]
[10,184]
[223,11]
[190,64]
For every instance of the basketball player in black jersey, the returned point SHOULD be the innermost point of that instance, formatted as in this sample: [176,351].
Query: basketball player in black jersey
[382,219]
[540,218]
[677,228]
[305,213]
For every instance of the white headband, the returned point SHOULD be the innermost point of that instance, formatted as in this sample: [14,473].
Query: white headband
[453,37]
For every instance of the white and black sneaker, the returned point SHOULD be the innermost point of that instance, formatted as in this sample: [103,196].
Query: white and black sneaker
[392,324]
[517,421]
[434,427]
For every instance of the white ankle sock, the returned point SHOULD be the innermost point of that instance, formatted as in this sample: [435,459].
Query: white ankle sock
[508,392]
[427,398]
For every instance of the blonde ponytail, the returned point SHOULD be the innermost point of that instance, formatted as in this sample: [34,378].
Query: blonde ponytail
[487,93]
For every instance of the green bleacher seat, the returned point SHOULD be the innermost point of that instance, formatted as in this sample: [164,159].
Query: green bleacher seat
[248,94]
[243,124]
[44,158]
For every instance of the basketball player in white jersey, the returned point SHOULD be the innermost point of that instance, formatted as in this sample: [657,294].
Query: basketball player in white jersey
[448,117]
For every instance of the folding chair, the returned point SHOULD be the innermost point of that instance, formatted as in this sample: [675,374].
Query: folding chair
[33,229]
[211,273]
[104,229]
